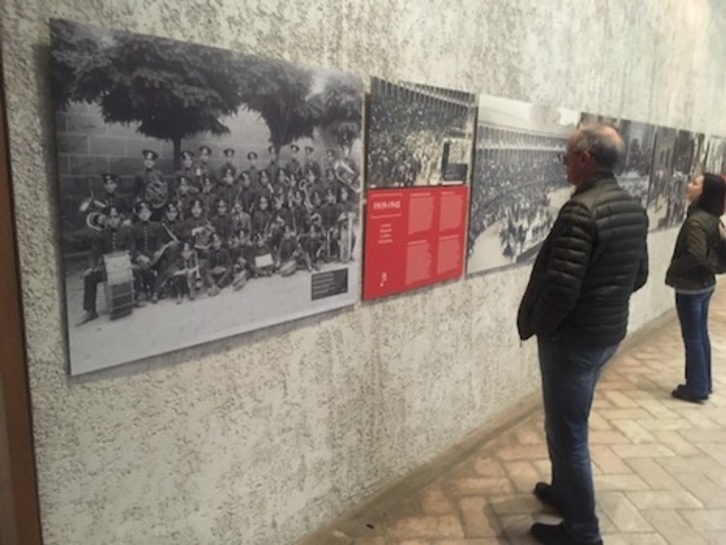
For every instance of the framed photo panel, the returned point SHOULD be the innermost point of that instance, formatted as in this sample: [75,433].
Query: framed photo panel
[204,193]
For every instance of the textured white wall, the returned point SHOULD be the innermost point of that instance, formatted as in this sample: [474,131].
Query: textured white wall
[261,438]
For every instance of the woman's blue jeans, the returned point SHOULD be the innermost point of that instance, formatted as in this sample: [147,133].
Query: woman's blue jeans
[570,371]
[693,315]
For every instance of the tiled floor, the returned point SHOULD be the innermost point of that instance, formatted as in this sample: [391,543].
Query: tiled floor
[659,463]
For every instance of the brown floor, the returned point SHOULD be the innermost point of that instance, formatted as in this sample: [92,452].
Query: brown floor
[659,464]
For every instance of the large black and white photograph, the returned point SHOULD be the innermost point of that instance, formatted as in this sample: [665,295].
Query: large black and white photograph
[716,155]
[669,173]
[519,181]
[419,135]
[633,172]
[203,193]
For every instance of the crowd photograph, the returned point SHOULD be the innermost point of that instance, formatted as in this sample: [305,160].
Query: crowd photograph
[519,181]
[419,135]
[633,173]
[182,222]
[716,155]
[670,172]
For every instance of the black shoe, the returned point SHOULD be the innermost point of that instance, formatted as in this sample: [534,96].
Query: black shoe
[544,493]
[684,395]
[555,534]
[87,317]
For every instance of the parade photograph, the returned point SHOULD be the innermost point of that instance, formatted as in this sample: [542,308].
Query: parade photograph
[716,155]
[633,174]
[698,155]
[519,181]
[419,135]
[669,175]
[203,193]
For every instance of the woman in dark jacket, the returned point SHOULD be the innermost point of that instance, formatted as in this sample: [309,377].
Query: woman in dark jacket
[694,282]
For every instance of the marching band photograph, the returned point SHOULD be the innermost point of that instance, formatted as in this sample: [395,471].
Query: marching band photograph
[199,199]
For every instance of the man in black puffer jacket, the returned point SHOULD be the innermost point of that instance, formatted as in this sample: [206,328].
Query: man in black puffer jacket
[576,303]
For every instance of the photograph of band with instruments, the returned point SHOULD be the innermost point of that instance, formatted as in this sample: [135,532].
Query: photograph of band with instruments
[186,222]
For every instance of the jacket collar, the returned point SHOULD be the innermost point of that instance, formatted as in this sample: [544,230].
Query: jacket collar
[593,181]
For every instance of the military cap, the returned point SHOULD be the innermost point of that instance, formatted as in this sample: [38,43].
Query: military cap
[187,154]
[207,149]
[229,152]
[251,155]
[294,148]
[150,154]
[109,177]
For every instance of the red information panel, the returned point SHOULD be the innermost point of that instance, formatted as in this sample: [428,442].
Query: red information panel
[414,237]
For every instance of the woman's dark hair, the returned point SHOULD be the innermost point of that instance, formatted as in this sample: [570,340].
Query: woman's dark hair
[713,198]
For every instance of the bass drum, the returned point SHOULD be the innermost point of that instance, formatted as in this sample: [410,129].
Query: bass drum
[119,284]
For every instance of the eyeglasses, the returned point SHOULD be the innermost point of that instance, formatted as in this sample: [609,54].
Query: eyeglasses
[564,157]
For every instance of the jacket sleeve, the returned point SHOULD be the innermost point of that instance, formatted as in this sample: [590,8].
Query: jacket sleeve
[642,275]
[572,241]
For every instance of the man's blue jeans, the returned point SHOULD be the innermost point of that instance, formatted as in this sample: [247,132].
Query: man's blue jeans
[693,316]
[570,371]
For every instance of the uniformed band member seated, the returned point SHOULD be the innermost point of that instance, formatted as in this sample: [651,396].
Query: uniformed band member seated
[219,266]
[148,244]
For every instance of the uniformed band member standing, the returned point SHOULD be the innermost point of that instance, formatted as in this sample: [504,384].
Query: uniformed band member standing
[151,186]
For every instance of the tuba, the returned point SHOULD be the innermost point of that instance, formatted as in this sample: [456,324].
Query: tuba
[157,192]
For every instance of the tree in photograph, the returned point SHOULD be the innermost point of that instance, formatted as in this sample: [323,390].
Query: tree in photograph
[278,91]
[340,109]
[172,90]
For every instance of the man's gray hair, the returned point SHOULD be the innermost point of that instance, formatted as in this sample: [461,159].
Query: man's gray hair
[602,141]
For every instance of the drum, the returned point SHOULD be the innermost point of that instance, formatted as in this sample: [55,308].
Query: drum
[119,284]
[288,268]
